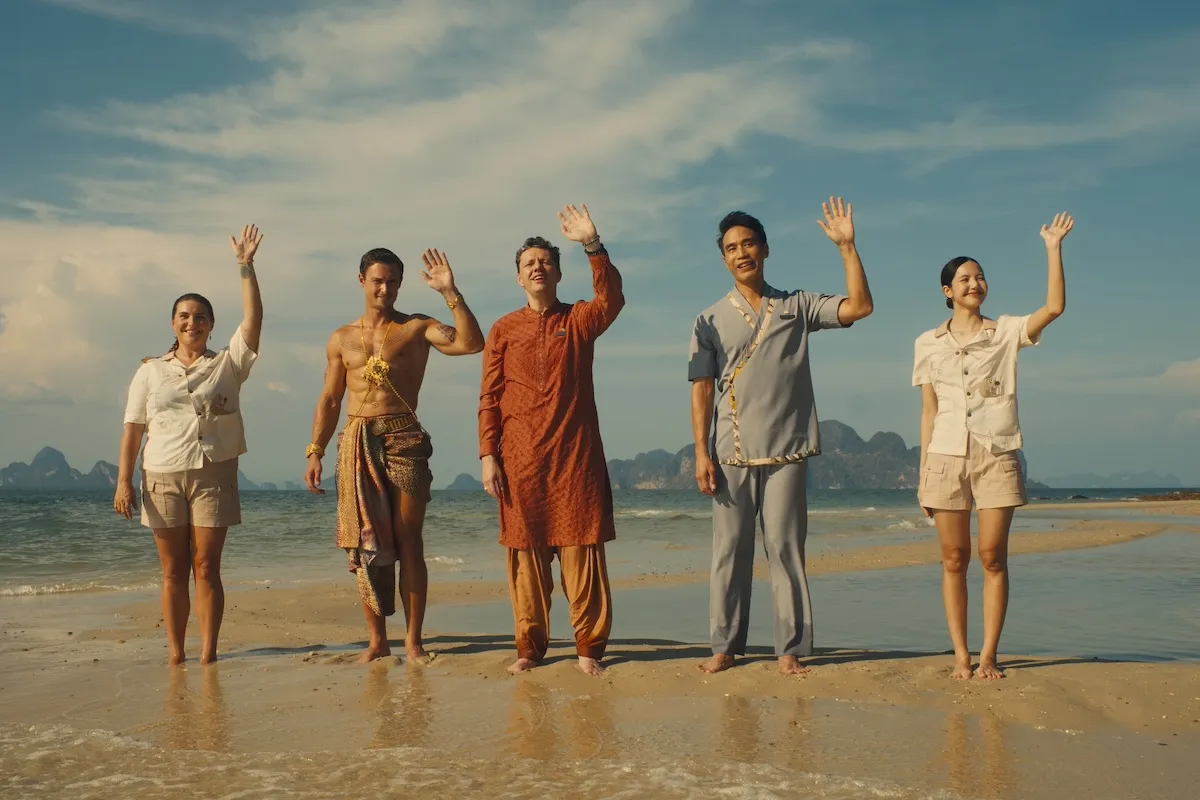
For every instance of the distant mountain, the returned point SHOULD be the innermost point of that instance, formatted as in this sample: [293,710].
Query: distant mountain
[50,470]
[846,463]
[1122,480]
[465,483]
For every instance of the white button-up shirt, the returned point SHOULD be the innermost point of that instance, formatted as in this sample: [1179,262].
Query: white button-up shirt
[976,384]
[191,413]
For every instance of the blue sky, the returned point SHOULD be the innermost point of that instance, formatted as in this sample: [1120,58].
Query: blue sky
[139,134]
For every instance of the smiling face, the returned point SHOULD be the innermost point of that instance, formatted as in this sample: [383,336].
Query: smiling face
[192,323]
[968,288]
[537,273]
[744,254]
[381,284]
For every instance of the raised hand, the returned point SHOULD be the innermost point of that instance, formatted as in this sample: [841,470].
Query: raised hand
[246,246]
[493,477]
[839,221]
[1054,233]
[577,225]
[438,274]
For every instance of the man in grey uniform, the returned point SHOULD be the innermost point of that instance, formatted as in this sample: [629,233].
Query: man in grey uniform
[750,352]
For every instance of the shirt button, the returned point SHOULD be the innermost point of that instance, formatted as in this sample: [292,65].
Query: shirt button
[965,372]
[201,438]
[968,394]
[968,413]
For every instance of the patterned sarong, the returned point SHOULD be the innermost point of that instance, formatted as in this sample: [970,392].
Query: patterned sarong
[376,455]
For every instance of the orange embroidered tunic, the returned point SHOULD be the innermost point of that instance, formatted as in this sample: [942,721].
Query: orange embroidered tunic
[537,413]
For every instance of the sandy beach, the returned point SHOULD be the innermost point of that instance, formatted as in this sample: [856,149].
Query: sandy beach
[88,708]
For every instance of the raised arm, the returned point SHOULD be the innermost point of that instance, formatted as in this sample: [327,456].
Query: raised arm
[244,249]
[839,227]
[465,337]
[608,297]
[1056,283]
[329,410]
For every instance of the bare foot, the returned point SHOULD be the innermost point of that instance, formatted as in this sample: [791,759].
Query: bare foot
[176,659]
[522,665]
[962,669]
[718,663]
[373,653]
[590,666]
[790,665]
[988,670]
[208,659]
[417,655]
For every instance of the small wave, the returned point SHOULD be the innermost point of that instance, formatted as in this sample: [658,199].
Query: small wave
[448,561]
[903,525]
[663,513]
[29,590]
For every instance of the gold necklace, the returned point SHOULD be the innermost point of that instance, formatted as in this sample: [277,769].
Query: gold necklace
[376,369]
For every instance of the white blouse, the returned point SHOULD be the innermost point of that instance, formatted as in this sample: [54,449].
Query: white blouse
[976,384]
[191,413]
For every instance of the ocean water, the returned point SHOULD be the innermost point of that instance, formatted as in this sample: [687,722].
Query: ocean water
[55,542]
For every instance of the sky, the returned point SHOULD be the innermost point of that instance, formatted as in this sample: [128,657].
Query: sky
[139,134]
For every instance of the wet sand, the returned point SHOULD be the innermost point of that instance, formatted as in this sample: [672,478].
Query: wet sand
[88,709]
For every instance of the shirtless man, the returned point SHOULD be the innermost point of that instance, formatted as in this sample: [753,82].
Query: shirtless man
[383,475]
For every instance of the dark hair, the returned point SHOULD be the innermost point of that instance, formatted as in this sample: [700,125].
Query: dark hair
[537,242]
[195,298]
[380,255]
[950,270]
[740,219]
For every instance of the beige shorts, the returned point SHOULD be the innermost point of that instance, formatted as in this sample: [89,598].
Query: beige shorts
[991,480]
[203,498]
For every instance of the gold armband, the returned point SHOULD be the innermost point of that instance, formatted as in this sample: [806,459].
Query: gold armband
[314,448]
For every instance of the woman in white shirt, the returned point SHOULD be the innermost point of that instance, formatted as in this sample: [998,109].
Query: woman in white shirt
[967,371]
[187,405]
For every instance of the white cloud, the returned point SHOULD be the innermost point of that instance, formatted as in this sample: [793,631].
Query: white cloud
[278,386]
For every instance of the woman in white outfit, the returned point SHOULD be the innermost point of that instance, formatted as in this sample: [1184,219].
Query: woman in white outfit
[967,371]
[186,403]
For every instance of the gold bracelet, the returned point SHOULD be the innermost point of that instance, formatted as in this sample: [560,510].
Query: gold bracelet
[453,302]
[314,448]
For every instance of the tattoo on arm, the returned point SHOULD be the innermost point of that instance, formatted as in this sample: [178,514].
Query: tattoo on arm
[246,270]
[450,333]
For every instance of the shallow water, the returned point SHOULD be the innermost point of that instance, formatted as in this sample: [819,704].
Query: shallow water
[53,542]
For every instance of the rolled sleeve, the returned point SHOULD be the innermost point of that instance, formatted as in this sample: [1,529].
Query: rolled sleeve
[1023,338]
[139,396]
[821,310]
[702,356]
[241,355]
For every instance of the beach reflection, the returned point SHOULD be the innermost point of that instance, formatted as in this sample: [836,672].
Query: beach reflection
[977,756]
[195,718]
[403,706]
[546,727]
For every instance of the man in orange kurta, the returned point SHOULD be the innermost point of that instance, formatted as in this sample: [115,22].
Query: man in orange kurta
[539,442]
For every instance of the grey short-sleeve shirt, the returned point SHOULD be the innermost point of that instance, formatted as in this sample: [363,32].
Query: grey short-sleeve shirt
[765,411]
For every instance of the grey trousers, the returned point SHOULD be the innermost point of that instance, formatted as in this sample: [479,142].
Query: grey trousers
[775,499]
